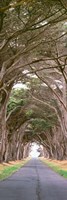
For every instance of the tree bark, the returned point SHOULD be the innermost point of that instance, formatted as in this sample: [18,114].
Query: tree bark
[3,129]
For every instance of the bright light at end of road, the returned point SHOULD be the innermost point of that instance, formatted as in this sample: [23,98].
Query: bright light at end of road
[34,150]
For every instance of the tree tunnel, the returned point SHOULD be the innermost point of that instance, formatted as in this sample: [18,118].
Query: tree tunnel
[33,118]
[33,55]
[32,121]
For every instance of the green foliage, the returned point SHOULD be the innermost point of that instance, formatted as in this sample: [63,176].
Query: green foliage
[17,98]
[38,124]
[41,124]
[18,93]
[13,103]
[29,113]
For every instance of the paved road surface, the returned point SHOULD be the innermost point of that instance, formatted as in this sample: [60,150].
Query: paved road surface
[34,181]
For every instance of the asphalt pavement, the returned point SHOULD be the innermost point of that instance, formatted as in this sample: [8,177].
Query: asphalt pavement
[34,181]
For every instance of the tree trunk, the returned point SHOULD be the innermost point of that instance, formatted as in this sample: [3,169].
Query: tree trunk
[64,112]
[3,135]
[4,96]
[26,150]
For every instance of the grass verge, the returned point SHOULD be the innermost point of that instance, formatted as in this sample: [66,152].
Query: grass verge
[7,169]
[58,166]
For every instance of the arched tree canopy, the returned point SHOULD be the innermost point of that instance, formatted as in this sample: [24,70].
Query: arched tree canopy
[33,52]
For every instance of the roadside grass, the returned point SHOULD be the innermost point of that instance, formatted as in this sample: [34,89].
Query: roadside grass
[7,169]
[58,166]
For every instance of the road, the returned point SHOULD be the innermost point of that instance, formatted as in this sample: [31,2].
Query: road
[34,181]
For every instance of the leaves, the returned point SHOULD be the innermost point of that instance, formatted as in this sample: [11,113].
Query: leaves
[16,99]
